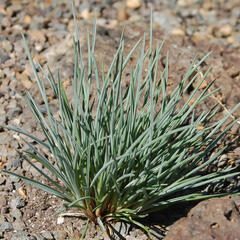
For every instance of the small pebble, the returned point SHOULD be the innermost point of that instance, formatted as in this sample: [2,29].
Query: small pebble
[14,112]
[18,202]
[178,32]
[133,4]
[225,31]
[60,220]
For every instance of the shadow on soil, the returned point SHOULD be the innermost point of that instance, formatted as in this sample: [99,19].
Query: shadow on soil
[157,223]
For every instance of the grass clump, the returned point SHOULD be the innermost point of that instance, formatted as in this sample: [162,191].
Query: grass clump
[130,152]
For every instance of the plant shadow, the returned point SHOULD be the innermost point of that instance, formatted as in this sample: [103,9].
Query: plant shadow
[158,223]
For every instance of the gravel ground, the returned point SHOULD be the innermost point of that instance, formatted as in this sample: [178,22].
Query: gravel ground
[189,27]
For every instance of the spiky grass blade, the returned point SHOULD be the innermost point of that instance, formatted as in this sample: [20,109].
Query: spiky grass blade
[125,152]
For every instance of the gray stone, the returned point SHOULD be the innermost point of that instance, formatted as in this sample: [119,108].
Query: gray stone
[34,171]
[16,162]
[53,108]
[4,58]
[6,226]
[7,46]
[9,185]
[13,178]
[37,22]
[222,161]
[58,26]
[67,70]
[166,20]
[3,120]
[18,202]
[58,13]
[20,235]
[16,213]
[18,225]
[14,112]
